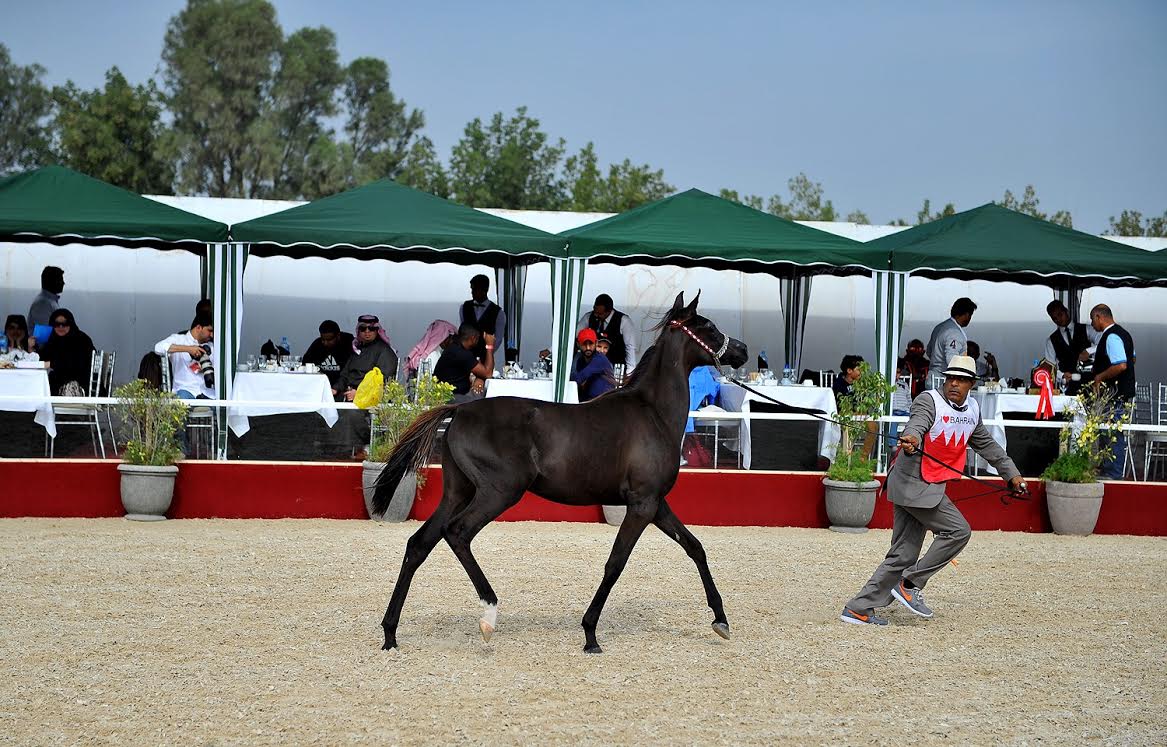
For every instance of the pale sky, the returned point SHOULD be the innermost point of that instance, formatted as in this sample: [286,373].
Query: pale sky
[884,103]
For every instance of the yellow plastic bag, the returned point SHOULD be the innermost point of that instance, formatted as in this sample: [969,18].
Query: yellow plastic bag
[370,389]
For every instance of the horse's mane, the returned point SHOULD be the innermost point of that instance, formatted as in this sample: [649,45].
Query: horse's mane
[650,355]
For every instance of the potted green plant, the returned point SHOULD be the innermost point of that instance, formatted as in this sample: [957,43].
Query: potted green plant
[850,485]
[391,417]
[148,467]
[1073,493]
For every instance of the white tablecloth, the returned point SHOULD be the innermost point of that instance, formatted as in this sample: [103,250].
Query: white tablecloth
[311,389]
[541,389]
[995,404]
[28,382]
[736,399]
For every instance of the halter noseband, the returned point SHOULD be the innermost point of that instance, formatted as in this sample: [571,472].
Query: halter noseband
[716,355]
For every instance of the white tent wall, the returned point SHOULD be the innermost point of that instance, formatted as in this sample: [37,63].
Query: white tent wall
[127,299]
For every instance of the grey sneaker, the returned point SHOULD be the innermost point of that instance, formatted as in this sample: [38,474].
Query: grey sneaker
[911,598]
[855,618]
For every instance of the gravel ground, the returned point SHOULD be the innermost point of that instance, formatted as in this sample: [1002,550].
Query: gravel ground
[265,632]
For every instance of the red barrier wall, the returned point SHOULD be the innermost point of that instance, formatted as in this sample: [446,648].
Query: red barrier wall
[276,490]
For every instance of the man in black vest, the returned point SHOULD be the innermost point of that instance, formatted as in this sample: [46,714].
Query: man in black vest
[1114,367]
[485,315]
[1068,344]
[617,326]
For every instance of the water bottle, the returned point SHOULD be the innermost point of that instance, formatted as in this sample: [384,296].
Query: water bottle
[787,375]
[425,370]
[4,344]
[763,361]
[284,346]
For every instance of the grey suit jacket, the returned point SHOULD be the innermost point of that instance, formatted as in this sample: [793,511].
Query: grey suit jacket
[906,487]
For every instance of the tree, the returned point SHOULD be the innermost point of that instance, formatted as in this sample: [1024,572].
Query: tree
[626,186]
[296,155]
[754,201]
[217,58]
[507,164]
[806,200]
[858,216]
[926,216]
[1130,223]
[1028,206]
[380,129]
[114,134]
[25,104]
[422,169]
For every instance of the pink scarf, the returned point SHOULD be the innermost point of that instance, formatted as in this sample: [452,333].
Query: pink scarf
[438,330]
[368,319]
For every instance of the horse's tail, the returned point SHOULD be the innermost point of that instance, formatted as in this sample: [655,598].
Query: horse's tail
[410,454]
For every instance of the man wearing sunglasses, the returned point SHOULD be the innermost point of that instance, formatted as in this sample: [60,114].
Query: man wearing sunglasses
[371,349]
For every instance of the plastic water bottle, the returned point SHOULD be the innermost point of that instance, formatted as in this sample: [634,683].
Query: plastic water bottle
[284,345]
[787,375]
[763,361]
[4,344]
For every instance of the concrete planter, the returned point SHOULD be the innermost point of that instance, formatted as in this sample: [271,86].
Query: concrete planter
[614,515]
[147,491]
[401,503]
[1073,506]
[850,505]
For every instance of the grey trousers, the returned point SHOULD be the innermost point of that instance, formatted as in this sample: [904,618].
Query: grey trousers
[951,533]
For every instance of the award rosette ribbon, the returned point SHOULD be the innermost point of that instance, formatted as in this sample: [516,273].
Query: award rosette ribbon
[1045,401]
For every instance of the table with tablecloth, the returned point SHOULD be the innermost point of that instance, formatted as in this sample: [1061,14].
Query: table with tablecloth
[994,405]
[736,399]
[32,383]
[540,389]
[312,390]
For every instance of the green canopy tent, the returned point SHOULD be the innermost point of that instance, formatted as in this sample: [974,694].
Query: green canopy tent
[697,229]
[386,220]
[57,205]
[994,243]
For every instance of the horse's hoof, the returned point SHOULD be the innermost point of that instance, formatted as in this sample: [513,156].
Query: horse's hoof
[389,646]
[593,649]
[486,629]
[722,629]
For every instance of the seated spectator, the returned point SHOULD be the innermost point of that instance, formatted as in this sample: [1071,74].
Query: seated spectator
[330,351]
[20,342]
[915,364]
[458,363]
[371,349]
[189,359]
[438,336]
[69,352]
[849,374]
[591,371]
[987,368]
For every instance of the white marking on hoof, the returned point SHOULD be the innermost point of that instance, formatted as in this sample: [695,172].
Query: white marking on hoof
[488,621]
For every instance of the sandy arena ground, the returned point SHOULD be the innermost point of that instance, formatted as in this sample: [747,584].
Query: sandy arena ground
[265,632]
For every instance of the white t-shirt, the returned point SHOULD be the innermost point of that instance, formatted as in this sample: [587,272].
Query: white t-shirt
[184,370]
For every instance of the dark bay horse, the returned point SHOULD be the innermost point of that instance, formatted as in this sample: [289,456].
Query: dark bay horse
[495,449]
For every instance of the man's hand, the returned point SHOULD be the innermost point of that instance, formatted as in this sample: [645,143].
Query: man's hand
[488,338]
[1084,356]
[1017,485]
[992,361]
[350,394]
[909,443]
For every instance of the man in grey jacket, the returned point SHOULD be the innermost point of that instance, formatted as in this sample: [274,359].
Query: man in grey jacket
[942,424]
[948,338]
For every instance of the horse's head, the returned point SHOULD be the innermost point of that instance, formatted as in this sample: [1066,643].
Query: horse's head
[711,347]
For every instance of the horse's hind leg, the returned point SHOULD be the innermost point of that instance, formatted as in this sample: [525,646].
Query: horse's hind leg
[668,523]
[460,532]
[630,531]
[457,491]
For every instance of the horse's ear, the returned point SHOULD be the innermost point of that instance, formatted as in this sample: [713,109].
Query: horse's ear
[680,302]
[691,309]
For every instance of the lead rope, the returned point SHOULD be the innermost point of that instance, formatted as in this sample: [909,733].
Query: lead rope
[1007,497]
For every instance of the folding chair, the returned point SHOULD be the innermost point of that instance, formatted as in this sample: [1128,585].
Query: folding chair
[1156,442]
[82,414]
[198,419]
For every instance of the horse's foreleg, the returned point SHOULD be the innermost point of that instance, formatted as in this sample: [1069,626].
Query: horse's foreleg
[668,523]
[630,531]
[460,532]
[416,551]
